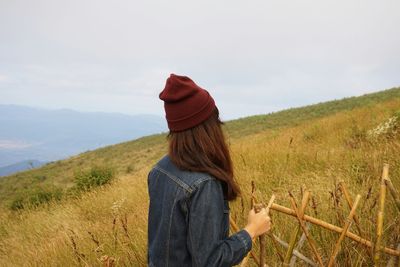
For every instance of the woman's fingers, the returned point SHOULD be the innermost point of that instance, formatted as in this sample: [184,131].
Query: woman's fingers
[260,222]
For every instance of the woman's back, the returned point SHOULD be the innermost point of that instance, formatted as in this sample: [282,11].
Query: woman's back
[189,220]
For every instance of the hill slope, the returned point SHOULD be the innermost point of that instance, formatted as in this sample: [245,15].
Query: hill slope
[127,156]
[315,145]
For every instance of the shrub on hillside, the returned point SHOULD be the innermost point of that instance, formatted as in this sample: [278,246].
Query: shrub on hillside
[41,196]
[96,176]
[17,204]
[36,197]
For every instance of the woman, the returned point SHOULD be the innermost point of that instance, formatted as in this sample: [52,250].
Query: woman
[189,188]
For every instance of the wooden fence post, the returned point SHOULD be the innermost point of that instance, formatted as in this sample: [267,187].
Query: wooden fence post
[380,215]
[346,227]
[297,230]
[305,231]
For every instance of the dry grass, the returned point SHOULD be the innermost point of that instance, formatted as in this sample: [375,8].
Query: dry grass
[109,224]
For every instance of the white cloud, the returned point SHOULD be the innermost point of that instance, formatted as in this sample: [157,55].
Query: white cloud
[14,144]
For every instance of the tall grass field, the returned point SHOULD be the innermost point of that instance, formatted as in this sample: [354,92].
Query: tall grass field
[91,209]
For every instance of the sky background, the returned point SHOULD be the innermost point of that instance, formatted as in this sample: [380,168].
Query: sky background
[253,57]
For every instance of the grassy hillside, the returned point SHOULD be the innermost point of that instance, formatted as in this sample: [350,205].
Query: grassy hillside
[129,156]
[313,147]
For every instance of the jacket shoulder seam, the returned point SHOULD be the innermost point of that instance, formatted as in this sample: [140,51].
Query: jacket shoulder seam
[196,184]
[174,178]
[202,180]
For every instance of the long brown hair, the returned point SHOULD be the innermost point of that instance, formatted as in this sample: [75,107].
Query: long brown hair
[203,149]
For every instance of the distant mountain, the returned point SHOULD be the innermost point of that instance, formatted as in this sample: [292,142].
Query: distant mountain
[20,166]
[48,135]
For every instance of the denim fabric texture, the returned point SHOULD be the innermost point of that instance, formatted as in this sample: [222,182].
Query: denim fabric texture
[188,220]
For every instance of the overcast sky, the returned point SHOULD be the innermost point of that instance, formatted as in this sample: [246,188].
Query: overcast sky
[252,56]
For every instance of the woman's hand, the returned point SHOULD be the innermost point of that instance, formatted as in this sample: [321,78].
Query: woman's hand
[258,223]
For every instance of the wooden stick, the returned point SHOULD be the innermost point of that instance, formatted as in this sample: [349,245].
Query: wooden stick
[345,229]
[253,197]
[349,201]
[293,237]
[394,261]
[298,246]
[252,201]
[350,204]
[394,193]
[275,243]
[305,231]
[292,243]
[261,238]
[380,215]
[398,258]
[236,229]
[296,253]
[332,227]
[271,201]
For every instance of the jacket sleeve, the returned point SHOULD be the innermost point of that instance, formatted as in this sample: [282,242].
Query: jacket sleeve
[204,229]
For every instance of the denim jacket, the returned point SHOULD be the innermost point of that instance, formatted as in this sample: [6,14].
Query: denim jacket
[188,220]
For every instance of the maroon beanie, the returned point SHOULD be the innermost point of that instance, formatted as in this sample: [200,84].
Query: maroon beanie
[186,104]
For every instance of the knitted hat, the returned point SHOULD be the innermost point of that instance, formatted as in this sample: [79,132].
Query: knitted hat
[186,104]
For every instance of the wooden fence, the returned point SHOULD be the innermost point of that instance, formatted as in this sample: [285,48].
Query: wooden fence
[375,248]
